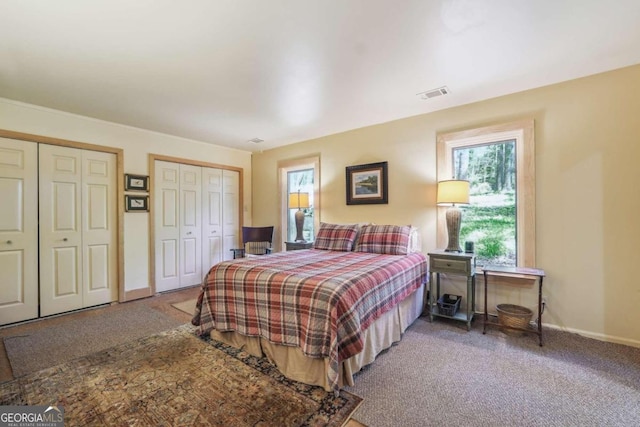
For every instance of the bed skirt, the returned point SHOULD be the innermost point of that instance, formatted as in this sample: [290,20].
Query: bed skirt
[293,364]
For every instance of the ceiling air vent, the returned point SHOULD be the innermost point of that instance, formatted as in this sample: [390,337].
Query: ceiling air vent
[434,92]
[256,140]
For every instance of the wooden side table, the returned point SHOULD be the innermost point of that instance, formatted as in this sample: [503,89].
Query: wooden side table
[463,264]
[524,273]
[294,246]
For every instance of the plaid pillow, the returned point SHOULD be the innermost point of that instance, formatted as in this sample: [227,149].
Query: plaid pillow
[384,239]
[334,237]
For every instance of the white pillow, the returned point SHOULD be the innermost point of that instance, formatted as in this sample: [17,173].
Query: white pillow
[415,241]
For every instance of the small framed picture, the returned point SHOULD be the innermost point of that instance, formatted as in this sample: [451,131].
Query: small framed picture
[367,184]
[136,182]
[136,203]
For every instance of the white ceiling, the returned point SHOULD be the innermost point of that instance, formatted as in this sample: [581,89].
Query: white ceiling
[285,71]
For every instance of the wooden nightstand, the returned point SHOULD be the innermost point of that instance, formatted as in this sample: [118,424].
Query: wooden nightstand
[462,264]
[294,246]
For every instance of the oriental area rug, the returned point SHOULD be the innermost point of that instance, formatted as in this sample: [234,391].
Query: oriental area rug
[175,378]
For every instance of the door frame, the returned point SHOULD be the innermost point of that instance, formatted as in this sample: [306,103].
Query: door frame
[119,152]
[152,232]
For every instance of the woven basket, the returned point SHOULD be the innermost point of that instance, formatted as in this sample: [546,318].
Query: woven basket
[514,316]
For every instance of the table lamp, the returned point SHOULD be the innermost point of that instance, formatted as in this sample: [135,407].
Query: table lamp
[299,200]
[453,192]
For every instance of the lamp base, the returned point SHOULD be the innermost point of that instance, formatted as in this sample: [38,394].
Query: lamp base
[454,218]
[299,217]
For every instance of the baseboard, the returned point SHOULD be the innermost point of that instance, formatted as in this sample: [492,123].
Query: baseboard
[587,334]
[597,336]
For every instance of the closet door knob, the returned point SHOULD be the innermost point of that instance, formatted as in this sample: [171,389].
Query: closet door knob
[9,242]
[65,239]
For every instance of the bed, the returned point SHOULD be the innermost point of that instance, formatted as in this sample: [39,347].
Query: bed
[319,314]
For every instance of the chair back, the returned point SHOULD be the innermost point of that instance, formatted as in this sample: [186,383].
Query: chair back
[257,240]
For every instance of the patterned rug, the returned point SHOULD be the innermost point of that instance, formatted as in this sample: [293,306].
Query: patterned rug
[177,379]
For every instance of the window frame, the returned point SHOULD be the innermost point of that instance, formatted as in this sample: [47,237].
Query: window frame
[523,133]
[293,165]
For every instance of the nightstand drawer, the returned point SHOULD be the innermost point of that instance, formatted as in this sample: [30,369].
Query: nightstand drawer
[444,265]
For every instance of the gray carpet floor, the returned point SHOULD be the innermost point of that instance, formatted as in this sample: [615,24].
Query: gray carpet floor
[441,375]
[437,375]
[46,347]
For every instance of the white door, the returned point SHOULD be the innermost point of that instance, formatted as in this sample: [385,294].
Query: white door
[99,231]
[194,227]
[18,231]
[231,212]
[60,229]
[190,225]
[167,226]
[78,229]
[211,218]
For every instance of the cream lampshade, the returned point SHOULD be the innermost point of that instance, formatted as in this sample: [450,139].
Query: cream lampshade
[301,201]
[453,192]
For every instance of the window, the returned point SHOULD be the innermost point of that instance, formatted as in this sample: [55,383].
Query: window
[300,180]
[498,162]
[490,216]
[299,175]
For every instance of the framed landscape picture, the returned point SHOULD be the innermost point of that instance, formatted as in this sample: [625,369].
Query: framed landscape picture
[367,184]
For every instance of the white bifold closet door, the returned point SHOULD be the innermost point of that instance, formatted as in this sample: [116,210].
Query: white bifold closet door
[18,230]
[193,224]
[230,212]
[220,216]
[178,210]
[190,255]
[212,238]
[78,237]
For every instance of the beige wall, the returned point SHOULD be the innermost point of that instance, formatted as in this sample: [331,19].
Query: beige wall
[136,144]
[588,191]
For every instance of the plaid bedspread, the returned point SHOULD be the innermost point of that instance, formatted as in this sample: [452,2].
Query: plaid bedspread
[320,301]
